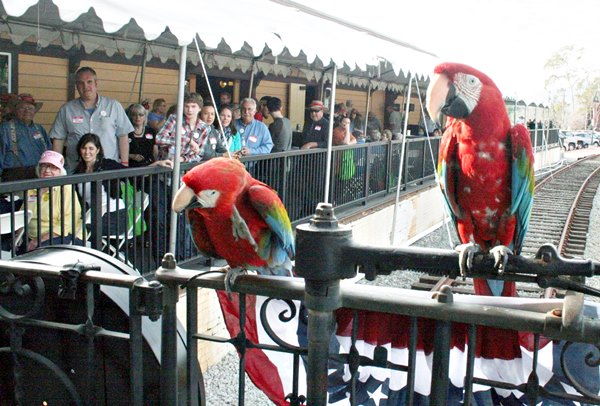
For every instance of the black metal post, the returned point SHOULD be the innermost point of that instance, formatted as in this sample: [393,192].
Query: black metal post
[136,342]
[192,344]
[319,260]
[441,355]
[168,353]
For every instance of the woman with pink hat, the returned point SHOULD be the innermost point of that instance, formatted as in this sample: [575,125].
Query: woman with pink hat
[53,209]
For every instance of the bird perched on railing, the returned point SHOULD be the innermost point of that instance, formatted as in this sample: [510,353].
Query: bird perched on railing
[235,217]
[485,168]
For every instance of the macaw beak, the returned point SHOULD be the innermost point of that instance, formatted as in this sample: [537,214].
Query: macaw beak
[438,90]
[442,98]
[184,199]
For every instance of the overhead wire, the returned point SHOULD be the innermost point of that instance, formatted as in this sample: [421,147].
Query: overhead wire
[212,97]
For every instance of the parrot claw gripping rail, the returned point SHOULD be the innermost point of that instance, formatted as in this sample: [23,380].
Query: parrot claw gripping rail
[345,257]
[547,269]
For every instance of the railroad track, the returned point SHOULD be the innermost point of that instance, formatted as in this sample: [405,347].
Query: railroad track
[560,215]
[561,208]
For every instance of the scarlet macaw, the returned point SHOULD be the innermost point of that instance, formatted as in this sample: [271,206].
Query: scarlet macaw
[485,168]
[235,217]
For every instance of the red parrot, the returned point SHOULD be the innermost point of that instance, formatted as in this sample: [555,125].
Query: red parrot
[235,217]
[485,168]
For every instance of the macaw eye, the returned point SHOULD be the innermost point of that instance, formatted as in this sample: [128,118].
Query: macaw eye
[468,85]
[466,81]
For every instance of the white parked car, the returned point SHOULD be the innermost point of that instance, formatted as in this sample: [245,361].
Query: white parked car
[577,139]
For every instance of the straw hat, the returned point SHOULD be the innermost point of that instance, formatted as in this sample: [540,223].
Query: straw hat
[316,105]
[24,98]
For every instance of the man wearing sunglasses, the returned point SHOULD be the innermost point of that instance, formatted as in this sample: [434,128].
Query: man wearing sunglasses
[315,134]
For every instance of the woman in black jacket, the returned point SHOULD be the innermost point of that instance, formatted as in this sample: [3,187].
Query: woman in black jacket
[91,159]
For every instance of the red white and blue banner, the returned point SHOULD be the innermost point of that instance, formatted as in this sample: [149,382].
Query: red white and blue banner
[272,371]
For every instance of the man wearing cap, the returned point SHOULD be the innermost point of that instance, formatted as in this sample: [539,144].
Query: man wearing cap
[316,133]
[22,141]
[91,113]
[256,138]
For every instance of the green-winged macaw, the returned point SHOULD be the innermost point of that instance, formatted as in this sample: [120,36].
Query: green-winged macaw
[235,217]
[485,168]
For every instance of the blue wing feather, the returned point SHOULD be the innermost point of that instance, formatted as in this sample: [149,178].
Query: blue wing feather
[278,248]
[522,183]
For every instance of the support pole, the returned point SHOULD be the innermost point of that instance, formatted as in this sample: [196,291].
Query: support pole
[401,168]
[176,164]
[320,268]
[251,78]
[142,74]
[330,135]
[368,108]
[535,131]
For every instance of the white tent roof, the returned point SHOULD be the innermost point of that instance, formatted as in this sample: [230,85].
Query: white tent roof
[283,27]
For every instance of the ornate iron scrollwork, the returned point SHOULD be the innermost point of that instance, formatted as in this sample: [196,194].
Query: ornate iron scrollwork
[285,316]
[20,293]
[592,360]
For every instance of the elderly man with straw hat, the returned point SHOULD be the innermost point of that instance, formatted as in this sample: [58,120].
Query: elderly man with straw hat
[22,141]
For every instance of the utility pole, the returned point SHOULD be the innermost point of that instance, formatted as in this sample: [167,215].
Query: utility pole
[595,105]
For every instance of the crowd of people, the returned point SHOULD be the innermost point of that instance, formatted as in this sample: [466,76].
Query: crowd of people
[95,133]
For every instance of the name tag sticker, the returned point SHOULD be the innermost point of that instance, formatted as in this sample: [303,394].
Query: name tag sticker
[37,135]
[148,136]
[77,119]
[252,138]
[317,128]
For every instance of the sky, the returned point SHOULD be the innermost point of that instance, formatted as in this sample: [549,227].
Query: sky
[509,40]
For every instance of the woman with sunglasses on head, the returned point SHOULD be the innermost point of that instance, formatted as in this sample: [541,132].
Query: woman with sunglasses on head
[142,147]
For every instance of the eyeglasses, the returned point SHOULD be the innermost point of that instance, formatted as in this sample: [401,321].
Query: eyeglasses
[30,109]
[138,114]
[48,167]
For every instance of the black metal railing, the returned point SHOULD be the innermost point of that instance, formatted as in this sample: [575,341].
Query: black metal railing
[361,174]
[544,138]
[327,254]
[72,330]
[139,238]
[60,309]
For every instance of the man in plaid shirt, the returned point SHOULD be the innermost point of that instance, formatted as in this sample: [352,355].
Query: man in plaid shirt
[193,133]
